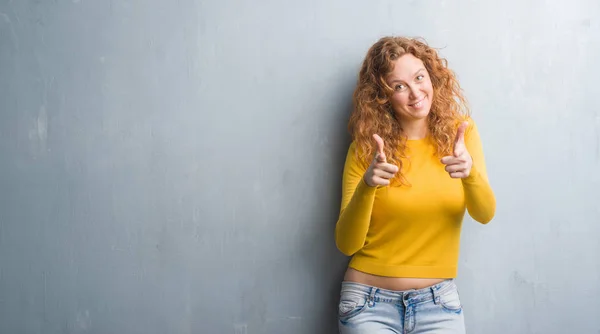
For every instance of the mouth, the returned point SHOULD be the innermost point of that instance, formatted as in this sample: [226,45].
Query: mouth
[419,104]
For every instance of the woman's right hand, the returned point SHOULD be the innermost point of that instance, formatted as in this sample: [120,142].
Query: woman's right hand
[379,172]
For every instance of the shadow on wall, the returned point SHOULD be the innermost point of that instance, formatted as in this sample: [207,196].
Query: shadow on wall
[325,263]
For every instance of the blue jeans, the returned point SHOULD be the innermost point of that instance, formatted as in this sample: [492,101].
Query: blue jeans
[367,309]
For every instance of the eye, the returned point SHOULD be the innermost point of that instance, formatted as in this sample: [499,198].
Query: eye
[420,77]
[399,87]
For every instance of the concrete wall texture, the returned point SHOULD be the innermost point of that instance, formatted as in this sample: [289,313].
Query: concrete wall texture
[175,166]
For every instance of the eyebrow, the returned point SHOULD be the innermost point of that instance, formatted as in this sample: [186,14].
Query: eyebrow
[417,72]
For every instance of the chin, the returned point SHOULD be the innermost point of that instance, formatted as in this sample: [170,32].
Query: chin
[420,114]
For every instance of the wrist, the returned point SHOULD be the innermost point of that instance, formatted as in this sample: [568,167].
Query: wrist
[364,180]
[472,175]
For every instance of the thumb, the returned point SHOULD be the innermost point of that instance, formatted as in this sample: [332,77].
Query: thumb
[459,142]
[380,154]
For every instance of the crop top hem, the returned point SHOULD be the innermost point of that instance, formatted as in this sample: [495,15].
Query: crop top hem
[381,269]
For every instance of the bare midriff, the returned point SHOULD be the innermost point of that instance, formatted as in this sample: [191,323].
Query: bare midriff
[390,283]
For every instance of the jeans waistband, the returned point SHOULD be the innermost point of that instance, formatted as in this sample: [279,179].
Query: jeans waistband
[392,296]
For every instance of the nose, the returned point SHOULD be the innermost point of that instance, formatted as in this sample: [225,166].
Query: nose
[413,92]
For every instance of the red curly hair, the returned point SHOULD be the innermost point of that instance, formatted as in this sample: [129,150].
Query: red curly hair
[372,111]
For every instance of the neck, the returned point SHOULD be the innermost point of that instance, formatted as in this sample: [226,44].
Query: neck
[415,129]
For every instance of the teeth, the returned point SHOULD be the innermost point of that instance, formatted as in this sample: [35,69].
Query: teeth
[418,104]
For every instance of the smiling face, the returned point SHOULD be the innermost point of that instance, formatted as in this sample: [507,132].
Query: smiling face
[413,91]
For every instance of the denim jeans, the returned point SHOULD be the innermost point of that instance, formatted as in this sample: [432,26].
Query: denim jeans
[366,309]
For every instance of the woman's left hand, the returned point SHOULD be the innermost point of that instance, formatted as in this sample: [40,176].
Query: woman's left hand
[459,164]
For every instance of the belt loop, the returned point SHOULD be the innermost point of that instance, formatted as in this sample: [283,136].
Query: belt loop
[371,298]
[435,294]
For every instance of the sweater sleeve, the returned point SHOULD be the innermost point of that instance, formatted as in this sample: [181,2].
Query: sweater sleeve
[357,203]
[479,196]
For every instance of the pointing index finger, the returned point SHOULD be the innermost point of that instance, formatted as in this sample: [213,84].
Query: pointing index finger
[380,155]
[459,141]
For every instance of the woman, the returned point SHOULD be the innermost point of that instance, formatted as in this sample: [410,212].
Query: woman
[414,166]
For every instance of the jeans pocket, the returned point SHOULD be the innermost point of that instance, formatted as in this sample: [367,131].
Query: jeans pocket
[351,305]
[451,301]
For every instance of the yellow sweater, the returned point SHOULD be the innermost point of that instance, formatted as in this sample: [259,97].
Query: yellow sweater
[412,231]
